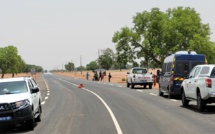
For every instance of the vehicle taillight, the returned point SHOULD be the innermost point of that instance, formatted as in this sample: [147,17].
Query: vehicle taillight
[171,80]
[208,82]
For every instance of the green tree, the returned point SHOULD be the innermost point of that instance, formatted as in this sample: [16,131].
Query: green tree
[92,65]
[156,32]
[106,59]
[18,67]
[70,66]
[8,59]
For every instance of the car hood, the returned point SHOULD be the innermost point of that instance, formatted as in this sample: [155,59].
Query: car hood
[8,98]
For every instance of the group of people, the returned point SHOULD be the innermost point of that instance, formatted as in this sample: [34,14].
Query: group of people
[99,76]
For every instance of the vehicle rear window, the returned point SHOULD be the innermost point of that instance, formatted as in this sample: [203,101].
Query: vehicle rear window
[14,87]
[194,63]
[205,70]
[139,71]
[182,67]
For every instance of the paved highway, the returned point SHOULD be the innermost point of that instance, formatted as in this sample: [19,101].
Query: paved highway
[105,108]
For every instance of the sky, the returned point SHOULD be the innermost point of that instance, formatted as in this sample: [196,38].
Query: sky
[51,33]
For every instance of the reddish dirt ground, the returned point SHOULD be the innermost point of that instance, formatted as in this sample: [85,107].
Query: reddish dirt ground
[21,75]
[117,75]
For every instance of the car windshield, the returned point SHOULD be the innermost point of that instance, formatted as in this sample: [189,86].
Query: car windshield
[139,71]
[14,87]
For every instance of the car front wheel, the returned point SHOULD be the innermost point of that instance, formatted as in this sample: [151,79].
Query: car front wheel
[160,92]
[31,122]
[132,85]
[184,101]
[128,84]
[39,112]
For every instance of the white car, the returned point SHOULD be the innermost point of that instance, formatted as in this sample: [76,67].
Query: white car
[20,102]
[139,76]
[200,86]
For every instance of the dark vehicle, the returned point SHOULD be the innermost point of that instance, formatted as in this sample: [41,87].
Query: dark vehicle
[175,68]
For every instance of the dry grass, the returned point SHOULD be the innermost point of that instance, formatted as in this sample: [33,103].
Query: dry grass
[21,75]
[117,75]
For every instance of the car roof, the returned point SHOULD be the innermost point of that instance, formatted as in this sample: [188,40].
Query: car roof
[207,65]
[14,79]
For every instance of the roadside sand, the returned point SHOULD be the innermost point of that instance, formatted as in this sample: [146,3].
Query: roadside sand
[117,75]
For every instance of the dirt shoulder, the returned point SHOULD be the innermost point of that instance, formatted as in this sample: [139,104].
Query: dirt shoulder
[117,75]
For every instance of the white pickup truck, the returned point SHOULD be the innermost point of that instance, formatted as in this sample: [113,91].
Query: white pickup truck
[199,86]
[139,76]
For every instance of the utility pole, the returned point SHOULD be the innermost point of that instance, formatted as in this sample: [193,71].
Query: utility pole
[81,64]
[98,57]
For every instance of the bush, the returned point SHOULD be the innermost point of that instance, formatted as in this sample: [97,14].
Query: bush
[123,79]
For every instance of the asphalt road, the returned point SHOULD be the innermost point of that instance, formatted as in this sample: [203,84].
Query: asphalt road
[107,108]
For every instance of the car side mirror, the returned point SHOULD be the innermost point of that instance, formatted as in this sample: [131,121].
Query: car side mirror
[34,90]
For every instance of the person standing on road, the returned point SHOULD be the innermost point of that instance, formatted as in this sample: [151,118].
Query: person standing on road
[100,75]
[87,76]
[109,77]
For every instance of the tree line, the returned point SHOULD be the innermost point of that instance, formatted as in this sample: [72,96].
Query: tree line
[12,62]
[153,34]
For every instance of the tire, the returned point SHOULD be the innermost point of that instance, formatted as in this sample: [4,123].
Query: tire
[184,101]
[31,122]
[132,85]
[38,119]
[150,86]
[128,84]
[201,104]
[169,94]
[160,93]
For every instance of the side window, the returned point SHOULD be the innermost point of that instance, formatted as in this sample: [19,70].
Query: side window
[30,84]
[213,73]
[197,71]
[205,70]
[169,67]
[192,72]
[34,82]
[164,68]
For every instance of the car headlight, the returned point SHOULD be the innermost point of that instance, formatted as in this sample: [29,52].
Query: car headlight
[20,104]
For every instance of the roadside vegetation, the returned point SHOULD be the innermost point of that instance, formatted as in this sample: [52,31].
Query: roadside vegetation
[153,35]
[12,63]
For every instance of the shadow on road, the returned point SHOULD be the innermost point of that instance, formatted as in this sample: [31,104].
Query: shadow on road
[210,109]
[11,130]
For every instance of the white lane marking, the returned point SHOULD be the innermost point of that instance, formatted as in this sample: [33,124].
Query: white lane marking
[139,90]
[119,86]
[43,103]
[173,100]
[48,91]
[119,131]
[153,94]
[111,84]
